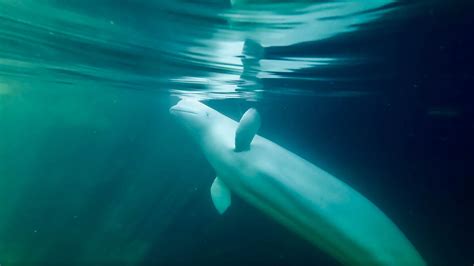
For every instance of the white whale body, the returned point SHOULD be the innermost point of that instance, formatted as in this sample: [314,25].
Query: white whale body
[299,195]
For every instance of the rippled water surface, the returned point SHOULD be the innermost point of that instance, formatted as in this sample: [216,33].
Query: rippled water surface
[188,47]
[94,170]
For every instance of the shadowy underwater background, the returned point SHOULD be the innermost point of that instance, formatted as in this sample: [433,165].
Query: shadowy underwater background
[94,170]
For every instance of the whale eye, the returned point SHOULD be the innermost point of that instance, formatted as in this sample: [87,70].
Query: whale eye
[207,114]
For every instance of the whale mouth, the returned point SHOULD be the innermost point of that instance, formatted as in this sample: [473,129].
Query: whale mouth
[179,109]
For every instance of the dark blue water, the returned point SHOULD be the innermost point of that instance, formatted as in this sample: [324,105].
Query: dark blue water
[94,170]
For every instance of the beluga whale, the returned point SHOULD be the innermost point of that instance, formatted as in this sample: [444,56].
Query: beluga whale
[294,192]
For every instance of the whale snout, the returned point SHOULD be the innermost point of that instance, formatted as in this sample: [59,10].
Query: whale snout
[175,110]
[186,106]
[192,114]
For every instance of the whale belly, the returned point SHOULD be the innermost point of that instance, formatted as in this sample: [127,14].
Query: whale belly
[316,205]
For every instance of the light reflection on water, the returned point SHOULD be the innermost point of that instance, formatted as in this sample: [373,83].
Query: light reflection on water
[80,117]
[181,47]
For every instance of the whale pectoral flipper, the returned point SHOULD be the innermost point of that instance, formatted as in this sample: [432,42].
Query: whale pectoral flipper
[220,195]
[248,127]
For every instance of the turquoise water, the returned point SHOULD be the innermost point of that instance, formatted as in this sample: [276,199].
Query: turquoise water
[94,170]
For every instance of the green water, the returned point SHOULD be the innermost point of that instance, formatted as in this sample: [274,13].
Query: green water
[94,170]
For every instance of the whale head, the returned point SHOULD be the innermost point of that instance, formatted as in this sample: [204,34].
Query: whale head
[194,115]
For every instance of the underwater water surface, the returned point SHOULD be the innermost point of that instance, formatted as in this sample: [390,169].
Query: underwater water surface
[95,171]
